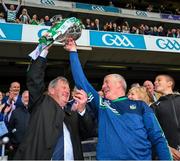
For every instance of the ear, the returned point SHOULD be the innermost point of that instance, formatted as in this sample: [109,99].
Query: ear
[51,91]
[170,83]
[119,83]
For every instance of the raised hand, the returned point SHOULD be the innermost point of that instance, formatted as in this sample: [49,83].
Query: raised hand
[70,45]
[11,96]
[7,109]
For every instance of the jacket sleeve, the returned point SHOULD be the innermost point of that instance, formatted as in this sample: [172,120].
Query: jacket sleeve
[1,117]
[155,134]
[87,125]
[82,83]
[35,80]
[11,126]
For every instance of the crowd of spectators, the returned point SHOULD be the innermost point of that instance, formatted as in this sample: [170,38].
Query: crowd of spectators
[144,29]
[95,24]
[161,7]
[149,7]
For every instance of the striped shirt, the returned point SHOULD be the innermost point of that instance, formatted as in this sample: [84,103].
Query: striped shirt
[11,14]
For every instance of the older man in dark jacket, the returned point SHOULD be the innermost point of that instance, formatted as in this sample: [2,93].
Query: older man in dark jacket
[18,124]
[54,131]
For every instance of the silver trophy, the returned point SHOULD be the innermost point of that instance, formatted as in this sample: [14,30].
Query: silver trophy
[61,30]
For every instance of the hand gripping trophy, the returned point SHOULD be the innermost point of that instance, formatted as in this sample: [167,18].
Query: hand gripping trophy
[60,31]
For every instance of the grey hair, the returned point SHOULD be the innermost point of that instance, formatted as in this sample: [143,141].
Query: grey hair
[25,92]
[120,78]
[53,83]
[22,98]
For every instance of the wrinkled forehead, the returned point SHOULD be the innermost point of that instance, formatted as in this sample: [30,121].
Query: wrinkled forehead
[111,76]
[63,83]
[108,77]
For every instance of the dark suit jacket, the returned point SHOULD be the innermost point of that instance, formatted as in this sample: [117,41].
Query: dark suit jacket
[46,120]
[18,125]
[18,102]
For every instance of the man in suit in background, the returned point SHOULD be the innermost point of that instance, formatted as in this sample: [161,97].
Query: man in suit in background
[18,123]
[14,98]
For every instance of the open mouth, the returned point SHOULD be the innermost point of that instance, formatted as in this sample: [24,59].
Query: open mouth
[106,91]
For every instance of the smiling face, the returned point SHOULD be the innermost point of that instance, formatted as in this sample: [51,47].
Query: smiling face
[149,86]
[133,95]
[139,93]
[15,88]
[60,92]
[25,98]
[113,87]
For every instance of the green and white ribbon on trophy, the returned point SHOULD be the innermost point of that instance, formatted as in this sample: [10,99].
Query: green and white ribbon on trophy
[60,31]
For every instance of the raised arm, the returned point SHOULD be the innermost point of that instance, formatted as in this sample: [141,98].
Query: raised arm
[155,134]
[4,5]
[19,5]
[35,78]
[80,79]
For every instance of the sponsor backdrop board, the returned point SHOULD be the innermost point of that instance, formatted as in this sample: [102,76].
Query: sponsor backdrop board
[10,32]
[89,38]
[97,8]
[165,44]
[117,40]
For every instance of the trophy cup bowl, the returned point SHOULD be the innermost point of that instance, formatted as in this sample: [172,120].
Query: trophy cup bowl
[61,30]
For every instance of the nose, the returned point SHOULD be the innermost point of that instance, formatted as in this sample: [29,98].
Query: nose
[103,86]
